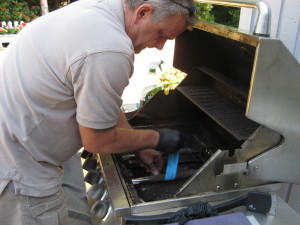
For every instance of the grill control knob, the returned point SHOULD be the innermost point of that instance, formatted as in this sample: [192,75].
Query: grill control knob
[97,191]
[85,154]
[90,164]
[93,177]
[101,209]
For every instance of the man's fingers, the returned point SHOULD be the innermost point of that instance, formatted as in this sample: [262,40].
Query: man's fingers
[159,163]
[156,166]
[151,160]
[154,171]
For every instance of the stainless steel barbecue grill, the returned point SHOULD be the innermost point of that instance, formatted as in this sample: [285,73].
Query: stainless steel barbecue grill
[238,108]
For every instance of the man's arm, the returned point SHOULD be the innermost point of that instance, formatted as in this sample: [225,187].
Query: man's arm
[125,139]
[117,140]
[150,159]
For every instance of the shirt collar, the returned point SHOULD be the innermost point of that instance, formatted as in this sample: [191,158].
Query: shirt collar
[117,7]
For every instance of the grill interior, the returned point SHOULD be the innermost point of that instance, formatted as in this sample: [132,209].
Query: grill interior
[199,147]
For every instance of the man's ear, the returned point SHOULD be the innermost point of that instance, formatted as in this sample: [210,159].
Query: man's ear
[142,11]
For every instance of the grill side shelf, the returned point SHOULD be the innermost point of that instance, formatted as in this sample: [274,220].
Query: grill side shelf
[227,114]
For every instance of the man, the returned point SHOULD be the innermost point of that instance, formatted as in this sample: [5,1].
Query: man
[60,90]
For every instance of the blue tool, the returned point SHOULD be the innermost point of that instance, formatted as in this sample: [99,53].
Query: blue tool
[172,166]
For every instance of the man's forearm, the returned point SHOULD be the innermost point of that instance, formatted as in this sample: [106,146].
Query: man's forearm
[118,140]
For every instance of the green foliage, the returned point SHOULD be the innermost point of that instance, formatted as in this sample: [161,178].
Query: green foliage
[13,30]
[18,10]
[235,16]
[219,14]
[226,15]
[3,31]
[204,12]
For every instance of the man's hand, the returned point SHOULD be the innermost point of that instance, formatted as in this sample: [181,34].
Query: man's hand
[151,160]
[169,140]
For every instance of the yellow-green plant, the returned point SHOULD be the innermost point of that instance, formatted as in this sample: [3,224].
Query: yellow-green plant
[204,12]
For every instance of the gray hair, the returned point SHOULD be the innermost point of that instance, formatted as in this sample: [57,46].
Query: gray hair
[166,8]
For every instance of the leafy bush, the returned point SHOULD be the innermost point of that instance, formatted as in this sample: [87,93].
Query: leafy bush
[225,15]
[204,12]
[17,10]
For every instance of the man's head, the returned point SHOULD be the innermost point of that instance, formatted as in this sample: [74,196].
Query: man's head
[150,23]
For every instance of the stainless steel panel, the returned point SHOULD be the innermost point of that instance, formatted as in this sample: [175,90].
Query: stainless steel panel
[203,179]
[274,102]
[260,141]
[114,186]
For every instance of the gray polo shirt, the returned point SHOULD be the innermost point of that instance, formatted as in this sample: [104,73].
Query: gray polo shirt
[67,68]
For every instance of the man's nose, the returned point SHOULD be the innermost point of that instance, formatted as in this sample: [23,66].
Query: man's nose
[160,45]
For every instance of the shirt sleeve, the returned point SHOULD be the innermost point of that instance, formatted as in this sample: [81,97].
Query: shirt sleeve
[99,81]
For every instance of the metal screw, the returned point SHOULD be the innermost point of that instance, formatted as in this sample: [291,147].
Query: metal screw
[218,188]
[256,168]
[252,207]
[235,185]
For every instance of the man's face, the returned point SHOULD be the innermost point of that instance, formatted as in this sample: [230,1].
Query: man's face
[146,34]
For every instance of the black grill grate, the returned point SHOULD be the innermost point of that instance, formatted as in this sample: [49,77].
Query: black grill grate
[227,114]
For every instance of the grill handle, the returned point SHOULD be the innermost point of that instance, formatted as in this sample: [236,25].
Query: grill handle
[258,202]
[263,20]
